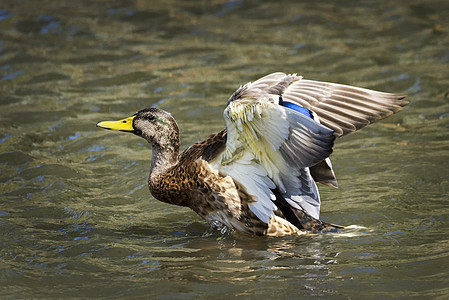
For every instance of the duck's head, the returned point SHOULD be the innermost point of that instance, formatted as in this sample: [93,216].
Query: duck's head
[155,125]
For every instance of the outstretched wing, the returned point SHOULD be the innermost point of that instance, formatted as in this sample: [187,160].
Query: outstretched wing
[275,142]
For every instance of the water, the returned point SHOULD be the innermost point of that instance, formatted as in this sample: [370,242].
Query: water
[76,218]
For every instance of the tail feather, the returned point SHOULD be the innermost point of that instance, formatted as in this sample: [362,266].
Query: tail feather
[314,225]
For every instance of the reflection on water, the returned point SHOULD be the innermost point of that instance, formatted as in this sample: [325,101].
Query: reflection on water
[76,217]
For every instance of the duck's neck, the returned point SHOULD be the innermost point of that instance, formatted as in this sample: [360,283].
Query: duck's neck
[165,152]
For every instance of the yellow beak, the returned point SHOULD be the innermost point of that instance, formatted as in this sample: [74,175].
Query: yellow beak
[121,125]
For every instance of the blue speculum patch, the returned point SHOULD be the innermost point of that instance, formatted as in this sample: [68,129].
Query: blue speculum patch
[298,108]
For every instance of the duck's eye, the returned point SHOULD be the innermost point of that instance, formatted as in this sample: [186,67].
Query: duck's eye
[151,117]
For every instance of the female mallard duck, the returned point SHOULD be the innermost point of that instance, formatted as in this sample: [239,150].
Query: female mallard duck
[258,175]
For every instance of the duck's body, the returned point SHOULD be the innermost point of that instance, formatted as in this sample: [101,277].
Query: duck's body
[258,175]
[224,203]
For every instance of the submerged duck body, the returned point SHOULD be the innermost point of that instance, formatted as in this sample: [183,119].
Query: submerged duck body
[258,175]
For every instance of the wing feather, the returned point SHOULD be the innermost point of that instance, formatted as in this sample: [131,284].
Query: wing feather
[308,198]
[254,178]
[343,108]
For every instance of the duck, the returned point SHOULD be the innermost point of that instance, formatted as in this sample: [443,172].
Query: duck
[259,175]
